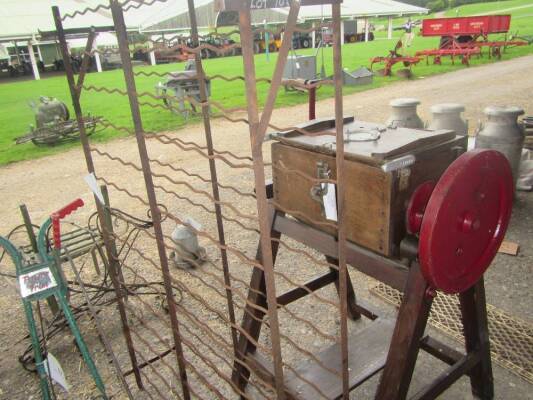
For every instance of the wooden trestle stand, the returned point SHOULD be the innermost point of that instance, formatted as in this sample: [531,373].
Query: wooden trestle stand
[391,346]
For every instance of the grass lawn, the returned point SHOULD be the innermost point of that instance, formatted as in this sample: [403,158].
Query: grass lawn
[16,115]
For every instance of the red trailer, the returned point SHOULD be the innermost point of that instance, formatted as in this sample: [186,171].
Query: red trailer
[465,36]
[466,26]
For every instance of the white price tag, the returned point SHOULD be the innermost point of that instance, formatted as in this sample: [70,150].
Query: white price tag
[330,201]
[55,372]
[36,281]
[93,185]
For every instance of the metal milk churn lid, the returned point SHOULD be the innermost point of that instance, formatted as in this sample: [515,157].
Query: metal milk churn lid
[404,114]
[503,133]
[448,116]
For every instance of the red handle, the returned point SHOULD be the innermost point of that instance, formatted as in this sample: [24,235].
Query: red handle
[60,214]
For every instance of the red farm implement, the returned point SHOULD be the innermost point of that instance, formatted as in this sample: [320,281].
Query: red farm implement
[466,36]
[393,58]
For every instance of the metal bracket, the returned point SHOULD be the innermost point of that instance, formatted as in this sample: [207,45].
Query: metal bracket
[319,190]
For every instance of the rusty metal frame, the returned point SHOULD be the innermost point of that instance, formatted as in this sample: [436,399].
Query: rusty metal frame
[261,300]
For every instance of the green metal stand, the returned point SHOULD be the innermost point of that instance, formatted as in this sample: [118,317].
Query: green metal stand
[42,280]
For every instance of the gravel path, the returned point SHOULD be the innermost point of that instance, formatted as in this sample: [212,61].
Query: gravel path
[49,183]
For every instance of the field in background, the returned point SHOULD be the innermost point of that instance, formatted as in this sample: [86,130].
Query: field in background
[14,97]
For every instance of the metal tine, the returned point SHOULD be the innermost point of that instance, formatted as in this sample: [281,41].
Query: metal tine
[208,103]
[200,177]
[154,370]
[282,275]
[255,306]
[184,183]
[120,28]
[232,249]
[135,4]
[180,143]
[90,167]
[202,206]
[192,100]
[98,323]
[85,11]
[298,213]
[284,168]
[196,147]
[220,315]
[160,137]
[210,77]
[205,329]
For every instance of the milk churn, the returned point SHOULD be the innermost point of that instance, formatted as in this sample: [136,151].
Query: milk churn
[448,116]
[404,114]
[187,251]
[501,132]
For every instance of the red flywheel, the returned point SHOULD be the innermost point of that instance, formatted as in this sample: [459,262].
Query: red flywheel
[465,220]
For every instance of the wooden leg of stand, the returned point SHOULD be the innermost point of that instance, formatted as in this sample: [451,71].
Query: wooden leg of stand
[252,317]
[405,343]
[352,300]
[474,316]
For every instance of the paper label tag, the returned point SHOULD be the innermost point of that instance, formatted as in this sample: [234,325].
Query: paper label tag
[36,281]
[56,372]
[93,185]
[330,201]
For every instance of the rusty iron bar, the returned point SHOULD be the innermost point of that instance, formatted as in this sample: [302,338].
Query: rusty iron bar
[120,28]
[341,179]
[222,317]
[90,167]
[213,170]
[286,45]
[256,140]
[98,324]
[85,61]
[239,254]
[203,328]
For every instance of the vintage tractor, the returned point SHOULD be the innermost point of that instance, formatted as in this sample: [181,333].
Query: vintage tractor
[52,123]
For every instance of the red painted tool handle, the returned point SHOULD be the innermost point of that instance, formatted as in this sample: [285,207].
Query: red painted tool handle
[60,214]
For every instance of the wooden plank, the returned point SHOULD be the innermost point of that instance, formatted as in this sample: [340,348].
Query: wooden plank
[386,270]
[367,353]
[299,292]
[510,248]
[367,210]
[448,377]
[440,350]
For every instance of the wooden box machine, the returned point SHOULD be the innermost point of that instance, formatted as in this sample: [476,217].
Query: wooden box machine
[383,168]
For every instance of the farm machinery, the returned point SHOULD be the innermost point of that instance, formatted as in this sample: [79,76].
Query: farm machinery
[394,57]
[53,124]
[181,87]
[465,37]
